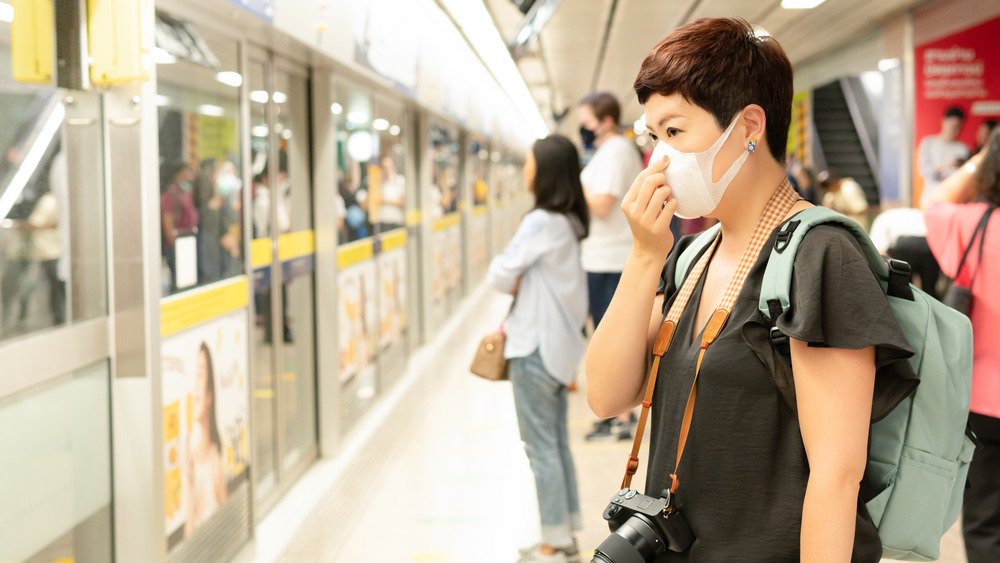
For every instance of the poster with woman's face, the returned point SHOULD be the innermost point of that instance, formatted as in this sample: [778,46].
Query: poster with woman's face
[205,406]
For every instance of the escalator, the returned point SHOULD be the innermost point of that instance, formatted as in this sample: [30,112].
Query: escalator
[846,133]
[30,147]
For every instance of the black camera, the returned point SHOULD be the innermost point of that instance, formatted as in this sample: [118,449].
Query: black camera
[643,527]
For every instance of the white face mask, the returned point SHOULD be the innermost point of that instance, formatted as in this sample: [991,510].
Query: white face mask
[689,176]
[229,184]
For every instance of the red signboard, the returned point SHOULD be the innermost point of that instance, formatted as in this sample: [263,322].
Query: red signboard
[961,69]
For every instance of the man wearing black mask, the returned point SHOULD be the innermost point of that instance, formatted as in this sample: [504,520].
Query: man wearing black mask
[606,178]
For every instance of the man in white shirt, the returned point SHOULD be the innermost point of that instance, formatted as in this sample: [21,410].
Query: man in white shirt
[606,179]
[942,154]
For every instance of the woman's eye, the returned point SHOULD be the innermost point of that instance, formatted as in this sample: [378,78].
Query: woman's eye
[654,137]
[672,131]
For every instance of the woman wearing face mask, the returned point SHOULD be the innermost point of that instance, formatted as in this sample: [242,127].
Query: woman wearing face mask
[763,476]
[545,342]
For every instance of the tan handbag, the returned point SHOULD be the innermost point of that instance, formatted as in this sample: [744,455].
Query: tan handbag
[489,362]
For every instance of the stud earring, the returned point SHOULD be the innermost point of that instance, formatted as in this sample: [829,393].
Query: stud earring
[752,144]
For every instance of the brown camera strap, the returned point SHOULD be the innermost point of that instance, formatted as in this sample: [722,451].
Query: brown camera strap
[777,208]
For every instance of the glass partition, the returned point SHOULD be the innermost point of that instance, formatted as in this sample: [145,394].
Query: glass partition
[55,479]
[200,180]
[52,247]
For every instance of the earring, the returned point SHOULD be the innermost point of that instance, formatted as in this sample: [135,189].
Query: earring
[752,144]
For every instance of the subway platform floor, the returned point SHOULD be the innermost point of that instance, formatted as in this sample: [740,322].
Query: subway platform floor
[436,472]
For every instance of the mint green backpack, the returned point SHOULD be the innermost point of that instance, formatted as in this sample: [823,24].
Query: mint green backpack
[919,453]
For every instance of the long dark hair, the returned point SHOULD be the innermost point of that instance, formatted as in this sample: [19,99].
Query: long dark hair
[988,175]
[213,426]
[557,179]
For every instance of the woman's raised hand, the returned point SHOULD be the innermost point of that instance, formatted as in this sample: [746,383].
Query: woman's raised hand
[649,206]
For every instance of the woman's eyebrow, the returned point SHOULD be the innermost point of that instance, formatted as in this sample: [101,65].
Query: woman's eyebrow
[667,118]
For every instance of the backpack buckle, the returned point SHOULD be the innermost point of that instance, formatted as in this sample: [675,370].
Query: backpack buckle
[780,341]
[900,275]
[785,236]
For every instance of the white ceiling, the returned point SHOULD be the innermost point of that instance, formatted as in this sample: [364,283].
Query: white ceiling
[564,66]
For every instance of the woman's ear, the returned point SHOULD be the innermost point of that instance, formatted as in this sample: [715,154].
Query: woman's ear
[755,123]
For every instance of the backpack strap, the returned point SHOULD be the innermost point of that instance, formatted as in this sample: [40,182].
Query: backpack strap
[687,258]
[776,286]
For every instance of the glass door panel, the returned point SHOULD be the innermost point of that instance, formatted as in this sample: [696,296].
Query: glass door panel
[261,249]
[297,389]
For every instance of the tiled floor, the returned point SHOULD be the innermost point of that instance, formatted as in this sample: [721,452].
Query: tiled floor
[444,479]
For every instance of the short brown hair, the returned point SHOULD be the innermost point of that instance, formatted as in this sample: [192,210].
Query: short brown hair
[604,105]
[723,65]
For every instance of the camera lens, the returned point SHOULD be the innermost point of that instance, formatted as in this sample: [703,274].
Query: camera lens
[635,541]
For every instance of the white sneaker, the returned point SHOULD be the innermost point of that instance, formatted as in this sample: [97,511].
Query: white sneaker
[535,556]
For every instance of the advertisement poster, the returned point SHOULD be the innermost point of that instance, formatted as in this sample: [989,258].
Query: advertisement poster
[453,258]
[358,319]
[392,278]
[439,262]
[478,243]
[205,415]
[961,69]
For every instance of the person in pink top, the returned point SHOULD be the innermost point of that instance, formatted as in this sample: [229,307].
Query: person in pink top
[953,212]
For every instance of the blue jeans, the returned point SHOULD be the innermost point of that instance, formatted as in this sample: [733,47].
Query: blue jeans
[601,288]
[541,406]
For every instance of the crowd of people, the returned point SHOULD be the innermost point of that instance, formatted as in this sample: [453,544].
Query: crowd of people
[600,244]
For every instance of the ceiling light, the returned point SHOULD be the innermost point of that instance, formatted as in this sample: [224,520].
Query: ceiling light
[357,117]
[280,97]
[259,96]
[286,134]
[380,124]
[361,146]
[211,110]
[6,12]
[336,109]
[162,100]
[800,4]
[259,131]
[160,55]
[888,64]
[230,78]
[394,130]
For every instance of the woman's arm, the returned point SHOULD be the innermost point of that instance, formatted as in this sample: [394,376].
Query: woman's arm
[616,357]
[530,242]
[960,186]
[833,390]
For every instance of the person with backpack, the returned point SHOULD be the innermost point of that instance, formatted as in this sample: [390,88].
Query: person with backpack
[964,206]
[762,412]
[544,336]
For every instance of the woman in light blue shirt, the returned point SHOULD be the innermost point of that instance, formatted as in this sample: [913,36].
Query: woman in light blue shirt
[545,340]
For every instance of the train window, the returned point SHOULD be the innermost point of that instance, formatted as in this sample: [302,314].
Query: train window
[442,198]
[478,169]
[388,194]
[200,181]
[356,158]
[52,236]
